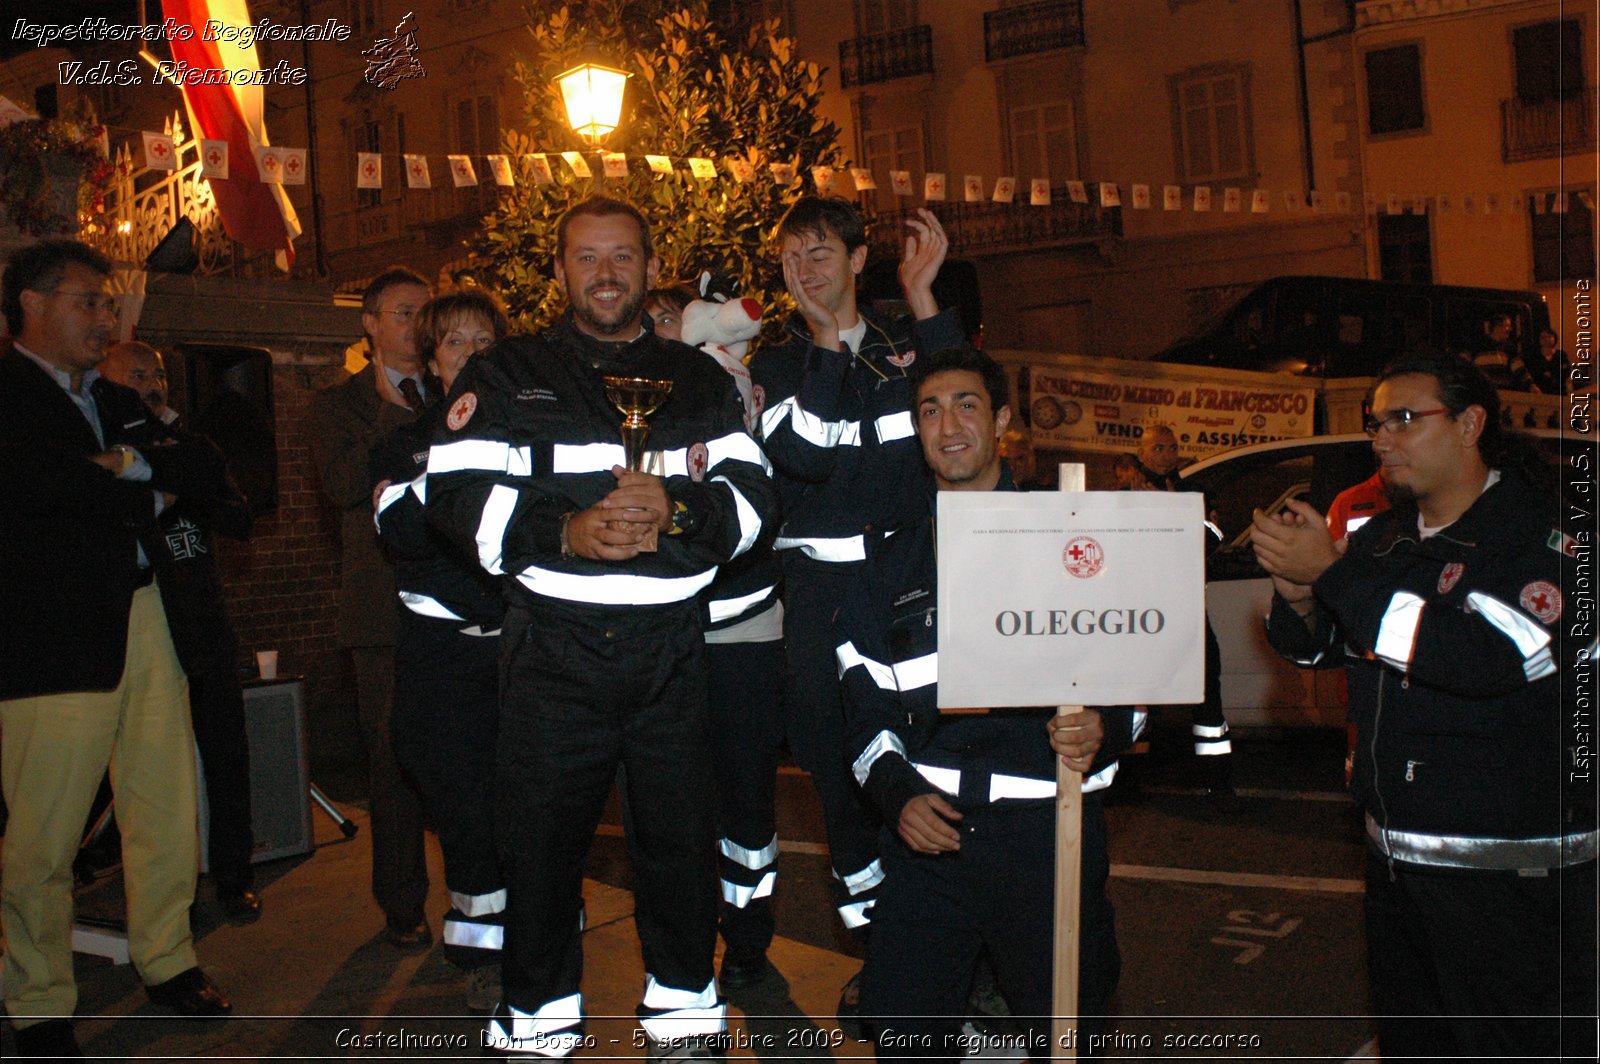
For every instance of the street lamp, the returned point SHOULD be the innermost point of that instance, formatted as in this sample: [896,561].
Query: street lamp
[593,95]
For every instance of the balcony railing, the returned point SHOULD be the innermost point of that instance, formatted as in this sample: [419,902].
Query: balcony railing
[979,228]
[897,54]
[1033,28]
[1549,128]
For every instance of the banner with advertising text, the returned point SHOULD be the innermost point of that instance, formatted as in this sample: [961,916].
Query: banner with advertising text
[1078,403]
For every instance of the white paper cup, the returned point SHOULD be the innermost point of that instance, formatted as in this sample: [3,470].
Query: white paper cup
[267,664]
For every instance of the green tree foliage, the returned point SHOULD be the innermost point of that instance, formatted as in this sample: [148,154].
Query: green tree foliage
[693,93]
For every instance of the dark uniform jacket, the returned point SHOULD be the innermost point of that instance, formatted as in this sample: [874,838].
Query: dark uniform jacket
[1453,647]
[529,436]
[888,649]
[839,432]
[70,530]
[434,579]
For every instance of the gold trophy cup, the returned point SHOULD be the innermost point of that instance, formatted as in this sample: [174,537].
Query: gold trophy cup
[637,398]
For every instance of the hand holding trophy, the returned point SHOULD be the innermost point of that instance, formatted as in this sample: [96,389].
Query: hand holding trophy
[637,398]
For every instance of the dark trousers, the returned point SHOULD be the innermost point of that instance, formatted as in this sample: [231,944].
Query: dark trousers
[216,707]
[996,895]
[816,717]
[399,859]
[1481,965]
[746,699]
[582,691]
[446,714]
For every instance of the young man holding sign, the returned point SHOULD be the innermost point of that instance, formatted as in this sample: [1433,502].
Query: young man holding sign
[968,799]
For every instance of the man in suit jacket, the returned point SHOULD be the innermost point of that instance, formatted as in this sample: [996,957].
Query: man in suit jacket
[88,673]
[347,420]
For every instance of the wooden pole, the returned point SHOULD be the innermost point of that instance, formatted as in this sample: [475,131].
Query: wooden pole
[1069,862]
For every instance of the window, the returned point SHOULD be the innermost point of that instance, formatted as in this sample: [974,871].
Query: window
[1405,248]
[1211,123]
[1549,59]
[1563,242]
[894,149]
[1043,141]
[1394,90]
[368,139]
[882,16]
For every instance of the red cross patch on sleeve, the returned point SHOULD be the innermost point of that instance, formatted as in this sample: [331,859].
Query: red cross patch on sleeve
[461,411]
[1542,599]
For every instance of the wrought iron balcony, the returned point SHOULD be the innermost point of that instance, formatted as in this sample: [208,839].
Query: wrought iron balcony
[1041,27]
[984,228]
[885,56]
[1549,128]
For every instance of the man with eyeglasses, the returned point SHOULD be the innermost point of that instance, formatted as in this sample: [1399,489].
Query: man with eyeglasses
[347,421]
[88,674]
[1463,660]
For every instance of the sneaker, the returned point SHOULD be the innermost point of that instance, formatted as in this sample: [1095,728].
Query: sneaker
[483,988]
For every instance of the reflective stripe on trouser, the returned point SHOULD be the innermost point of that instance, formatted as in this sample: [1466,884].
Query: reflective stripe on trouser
[587,689]
[1211,739]
[747,718]
[816,722]
[555,1029]
[668,1013]
[475,931]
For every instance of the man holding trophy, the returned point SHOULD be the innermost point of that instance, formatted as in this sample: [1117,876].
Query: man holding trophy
[603,546]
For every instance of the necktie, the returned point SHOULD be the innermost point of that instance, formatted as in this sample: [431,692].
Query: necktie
[410,393]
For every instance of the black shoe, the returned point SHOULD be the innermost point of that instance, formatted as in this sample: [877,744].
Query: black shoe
[52,1039]
[849,1009]
[240,906]
[408,936]
[741,968]
[190,993]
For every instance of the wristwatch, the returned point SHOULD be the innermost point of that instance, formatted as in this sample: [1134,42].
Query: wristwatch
[680,518]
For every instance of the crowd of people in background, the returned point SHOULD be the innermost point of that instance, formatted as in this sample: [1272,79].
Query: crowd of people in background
[534,620]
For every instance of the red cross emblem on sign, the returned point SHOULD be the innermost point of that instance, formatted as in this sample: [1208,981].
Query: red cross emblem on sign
[936,186]
[215,157]
[369,170]
[461,168]
[160,148]
[271,162]
[416,170]
[293,164]
[1083,556]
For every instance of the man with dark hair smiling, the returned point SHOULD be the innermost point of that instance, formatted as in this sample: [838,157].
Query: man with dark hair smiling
[603,657]
[1480,899]
[968,800]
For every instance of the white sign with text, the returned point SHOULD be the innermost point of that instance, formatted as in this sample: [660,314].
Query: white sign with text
[1071,598]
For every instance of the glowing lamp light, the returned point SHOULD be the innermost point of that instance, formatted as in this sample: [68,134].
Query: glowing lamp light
[593,95]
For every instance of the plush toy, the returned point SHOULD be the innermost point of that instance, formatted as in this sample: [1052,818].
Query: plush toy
[723,328]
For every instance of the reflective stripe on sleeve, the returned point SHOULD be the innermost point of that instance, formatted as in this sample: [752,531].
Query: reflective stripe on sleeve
[491,534]
[1003,786]
[885,742]
[614,589]
[424,606]
[840,549]
[809,427]
[891,427]
[737,447]
[947,780]
[484,456]
[1397,634]
[586,457]
[389,496]
[849,657]
[1528,635]
[749,520]
[722,609]
[917,672]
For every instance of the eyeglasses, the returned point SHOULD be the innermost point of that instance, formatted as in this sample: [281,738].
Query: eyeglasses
[93,302]
[1397,421]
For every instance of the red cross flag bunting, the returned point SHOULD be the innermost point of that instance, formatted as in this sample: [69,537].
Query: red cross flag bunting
[369,170]
[294,165]
[159,152]
[933,187]
[461,171]
[417,171]
[500,166]
[270,163]
[214,160]
[538,164]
